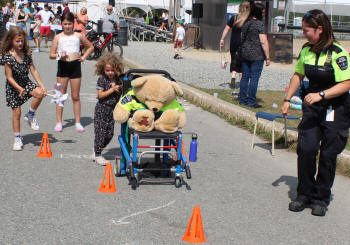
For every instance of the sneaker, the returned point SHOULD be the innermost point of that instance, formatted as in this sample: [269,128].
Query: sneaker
[79,128]
[58,127]
[175,56]
[36,50]
[18,144]
[100,160]
[299,204]
[319,210]
[32,122]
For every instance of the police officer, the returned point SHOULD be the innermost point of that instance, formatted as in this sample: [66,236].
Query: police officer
[326,112]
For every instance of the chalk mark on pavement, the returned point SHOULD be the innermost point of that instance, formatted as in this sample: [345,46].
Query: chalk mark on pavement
[122,222]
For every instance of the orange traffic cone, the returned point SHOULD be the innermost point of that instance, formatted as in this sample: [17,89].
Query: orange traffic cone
[195,232]
[45,149]
[107,184]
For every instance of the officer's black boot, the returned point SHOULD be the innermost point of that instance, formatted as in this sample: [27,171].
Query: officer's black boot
[319,210]
[299,204]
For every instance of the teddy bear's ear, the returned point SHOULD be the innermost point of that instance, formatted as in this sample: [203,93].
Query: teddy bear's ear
[177,88]
[138,82]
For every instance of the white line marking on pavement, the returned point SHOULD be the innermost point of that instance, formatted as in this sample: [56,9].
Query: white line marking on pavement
[121,222]
[81,156]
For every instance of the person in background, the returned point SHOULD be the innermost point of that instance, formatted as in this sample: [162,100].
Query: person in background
[29,12]
[7,12]
[65,7]
[7,9]
[179,37]
[235,26]
[21,18]
[110,20]
[58,12]
[36,32]
[255,49]
[45,28]
[324,127]
[81,19]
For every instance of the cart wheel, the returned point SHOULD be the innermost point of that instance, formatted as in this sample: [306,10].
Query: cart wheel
[117,168]
[178,182]
[133,182]
[188,172]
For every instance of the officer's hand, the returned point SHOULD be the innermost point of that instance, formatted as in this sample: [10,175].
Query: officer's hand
[285,107]
[312,98]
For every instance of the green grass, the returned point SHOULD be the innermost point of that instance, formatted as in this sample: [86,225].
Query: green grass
[266,99]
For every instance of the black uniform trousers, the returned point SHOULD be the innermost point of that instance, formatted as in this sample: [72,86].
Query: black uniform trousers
[104,126]
[316,134]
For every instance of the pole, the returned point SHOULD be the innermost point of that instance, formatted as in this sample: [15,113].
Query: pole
[174,18]
[171,6]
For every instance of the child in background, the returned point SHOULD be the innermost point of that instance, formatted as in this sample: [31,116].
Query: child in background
[109,89]
[36,32]
[66,50]
[179,37]
[19,88]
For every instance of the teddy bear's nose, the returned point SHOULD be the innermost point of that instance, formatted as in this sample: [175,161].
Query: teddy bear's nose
[155,109]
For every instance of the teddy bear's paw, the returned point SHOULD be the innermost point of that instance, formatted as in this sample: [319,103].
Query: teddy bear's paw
[120,115]
[141,127]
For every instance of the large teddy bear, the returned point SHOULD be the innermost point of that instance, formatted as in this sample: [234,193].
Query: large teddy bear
[151,104]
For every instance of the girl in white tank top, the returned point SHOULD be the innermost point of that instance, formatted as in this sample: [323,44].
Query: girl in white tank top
[66,49]
[69,45]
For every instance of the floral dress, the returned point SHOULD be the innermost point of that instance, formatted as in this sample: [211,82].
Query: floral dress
[20,71]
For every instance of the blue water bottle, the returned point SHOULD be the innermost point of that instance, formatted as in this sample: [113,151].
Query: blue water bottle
[193,149]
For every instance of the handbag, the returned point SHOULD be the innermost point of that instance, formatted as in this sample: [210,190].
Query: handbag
[237,55]
[223,60]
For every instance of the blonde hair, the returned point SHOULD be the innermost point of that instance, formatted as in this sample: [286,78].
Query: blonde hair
[243,14]
[109,59]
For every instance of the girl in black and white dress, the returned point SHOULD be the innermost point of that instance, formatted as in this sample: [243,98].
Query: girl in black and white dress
[19,88]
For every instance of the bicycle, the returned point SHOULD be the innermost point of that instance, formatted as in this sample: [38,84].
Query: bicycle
[109,43]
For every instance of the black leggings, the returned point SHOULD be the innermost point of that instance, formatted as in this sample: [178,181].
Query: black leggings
[104,126]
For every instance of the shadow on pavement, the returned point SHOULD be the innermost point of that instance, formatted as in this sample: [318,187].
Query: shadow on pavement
[85,121]
[35,139]
[111,153]
[290,181]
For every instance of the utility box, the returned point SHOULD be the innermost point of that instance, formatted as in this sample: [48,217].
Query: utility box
[281,47]
[192,32]
[123,33]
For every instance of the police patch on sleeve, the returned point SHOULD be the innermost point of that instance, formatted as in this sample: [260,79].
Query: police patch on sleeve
[342,63]
[126,99]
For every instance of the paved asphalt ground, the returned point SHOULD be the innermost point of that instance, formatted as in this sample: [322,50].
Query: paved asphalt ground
[243,193]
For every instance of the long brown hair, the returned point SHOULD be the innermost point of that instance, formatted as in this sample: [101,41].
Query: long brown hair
[109,59]
[315,18]
[243,13]
[6,42]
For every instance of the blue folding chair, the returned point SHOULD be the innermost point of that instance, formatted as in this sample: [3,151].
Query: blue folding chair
[272,117]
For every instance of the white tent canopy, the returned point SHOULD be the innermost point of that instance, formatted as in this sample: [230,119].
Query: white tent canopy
[96,8]
[330,7]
